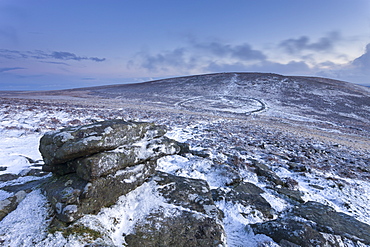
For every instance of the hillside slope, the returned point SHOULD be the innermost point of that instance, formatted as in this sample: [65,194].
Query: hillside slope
[272,161]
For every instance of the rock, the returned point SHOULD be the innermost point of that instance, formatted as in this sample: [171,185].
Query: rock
[74,142]
[246,194]
[295,195]
[11,203]
[28,186]
[264,172]
[330,221]
[8,176]
[60,169]
[95,164]
[194,220]
[290,232]
[178,228]
[101,164]
[297,167]
[72,197]
[104,163]
[314,224]
[36,173]
[193,194]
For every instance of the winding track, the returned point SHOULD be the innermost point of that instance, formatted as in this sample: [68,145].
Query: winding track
[262,105]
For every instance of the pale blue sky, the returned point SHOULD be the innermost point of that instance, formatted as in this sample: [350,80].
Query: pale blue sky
[49,44]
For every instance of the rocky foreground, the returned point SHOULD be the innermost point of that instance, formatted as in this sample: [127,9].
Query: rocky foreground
[179,177]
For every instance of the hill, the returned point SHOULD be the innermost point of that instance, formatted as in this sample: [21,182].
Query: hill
[260,160]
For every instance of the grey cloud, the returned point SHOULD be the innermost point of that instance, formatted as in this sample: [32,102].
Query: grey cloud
[243,51]
[9,54]
[52,62]
[196,55]
[356,71]
[38,54]
[62,55]
[294,46]
[162,61]
[96,59]
[10,69]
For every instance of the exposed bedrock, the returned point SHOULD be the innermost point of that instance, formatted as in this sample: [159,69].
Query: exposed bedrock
[95,164]
[193,220]
[315,224]
[75,142]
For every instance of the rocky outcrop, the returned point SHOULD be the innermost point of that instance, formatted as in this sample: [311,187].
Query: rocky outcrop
[182,228]
[194,219]
[246,194]
[314,224]
[95,164]
[74,142]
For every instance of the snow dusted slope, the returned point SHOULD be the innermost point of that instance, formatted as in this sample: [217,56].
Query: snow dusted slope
[311,134]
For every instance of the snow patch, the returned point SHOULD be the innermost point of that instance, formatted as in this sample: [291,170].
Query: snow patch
[26,226]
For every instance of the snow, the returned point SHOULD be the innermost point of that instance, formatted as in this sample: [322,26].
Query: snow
[179,134]
[119,220]
[13,151]
[64,136]
[26,226]
[22,129]
[238,234]
[4,195]
[350,196]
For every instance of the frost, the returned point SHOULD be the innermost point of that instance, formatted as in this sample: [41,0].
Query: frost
[4,195]
[133,169]
[26,225]
[276,203]
[86,140]
[237,217]
[282,134]
[108,130]
[119,219]
[64,136]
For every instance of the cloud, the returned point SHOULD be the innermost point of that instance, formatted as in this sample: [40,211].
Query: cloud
[363,62]
[196,56]
[206,57]
[174,58]
[62,55]
[9,69]
[52,62]
[243,51]
[38,54]
[177,59]
[294,46]
[356,71]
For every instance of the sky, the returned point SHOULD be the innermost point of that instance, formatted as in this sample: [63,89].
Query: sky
[60,44]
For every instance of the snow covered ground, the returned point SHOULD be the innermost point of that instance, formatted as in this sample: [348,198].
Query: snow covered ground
[22,125]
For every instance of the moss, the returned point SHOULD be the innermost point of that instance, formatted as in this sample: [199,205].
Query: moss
[81,231]
[78,230]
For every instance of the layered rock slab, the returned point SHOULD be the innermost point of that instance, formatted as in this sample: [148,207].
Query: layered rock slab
[95,164]
[107,162]
[74,142]
[72,196]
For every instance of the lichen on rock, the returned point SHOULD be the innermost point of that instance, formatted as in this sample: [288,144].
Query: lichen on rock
[95,164]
